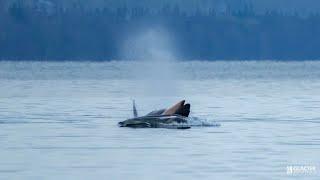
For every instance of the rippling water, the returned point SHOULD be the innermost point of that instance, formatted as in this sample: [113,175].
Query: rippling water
[59,120]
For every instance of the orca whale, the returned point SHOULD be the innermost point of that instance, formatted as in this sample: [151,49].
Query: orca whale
[175,117]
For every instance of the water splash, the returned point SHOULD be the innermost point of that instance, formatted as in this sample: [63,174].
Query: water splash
[202,122]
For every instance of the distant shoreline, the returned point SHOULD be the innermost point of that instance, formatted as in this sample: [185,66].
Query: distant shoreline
[61,34]
[185,60]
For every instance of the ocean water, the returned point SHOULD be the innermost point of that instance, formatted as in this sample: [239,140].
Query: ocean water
[58,120]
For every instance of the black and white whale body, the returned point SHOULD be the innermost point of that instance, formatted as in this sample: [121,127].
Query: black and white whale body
[174,117]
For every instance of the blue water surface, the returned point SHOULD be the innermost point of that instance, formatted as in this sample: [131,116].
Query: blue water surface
[58,120]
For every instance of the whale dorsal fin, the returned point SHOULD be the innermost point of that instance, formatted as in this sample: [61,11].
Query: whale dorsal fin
[175,108]
[135,112]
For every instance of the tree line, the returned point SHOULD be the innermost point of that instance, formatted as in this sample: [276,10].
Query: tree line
[53,33]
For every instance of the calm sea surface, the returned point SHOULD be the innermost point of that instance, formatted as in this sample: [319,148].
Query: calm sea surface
[59,120]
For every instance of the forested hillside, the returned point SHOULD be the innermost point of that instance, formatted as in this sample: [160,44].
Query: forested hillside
[48,31]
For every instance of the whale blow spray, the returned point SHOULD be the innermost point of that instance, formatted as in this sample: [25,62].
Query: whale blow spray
[154,62]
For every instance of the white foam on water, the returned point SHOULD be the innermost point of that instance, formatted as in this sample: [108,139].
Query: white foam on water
[202,122]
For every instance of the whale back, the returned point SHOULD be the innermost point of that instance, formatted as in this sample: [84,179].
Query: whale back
[156,112]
